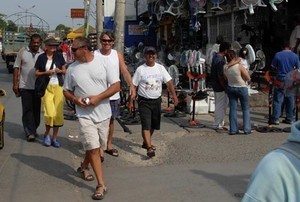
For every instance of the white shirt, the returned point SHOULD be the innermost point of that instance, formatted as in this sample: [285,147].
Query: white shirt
[149,80]
[113,63]
[87,79]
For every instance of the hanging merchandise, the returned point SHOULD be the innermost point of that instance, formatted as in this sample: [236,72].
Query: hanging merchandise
[273,2]
[251,54]
[174,73]
[198,6]
[250,5]
[216,4]
[174,7]
[159,9]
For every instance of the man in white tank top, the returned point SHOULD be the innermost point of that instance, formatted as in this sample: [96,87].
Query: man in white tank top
[117,64]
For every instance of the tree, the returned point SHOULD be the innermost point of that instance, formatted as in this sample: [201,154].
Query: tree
[2,22]
[63,30]
[11,26]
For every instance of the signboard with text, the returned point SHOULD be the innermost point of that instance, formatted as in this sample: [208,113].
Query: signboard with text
[135,30]
[77,12]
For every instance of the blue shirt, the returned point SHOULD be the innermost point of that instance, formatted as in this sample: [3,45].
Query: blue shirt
[285,61]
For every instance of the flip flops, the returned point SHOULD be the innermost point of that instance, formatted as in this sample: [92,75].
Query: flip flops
[112,152]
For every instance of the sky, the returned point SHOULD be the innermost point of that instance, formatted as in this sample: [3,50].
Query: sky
[54,12]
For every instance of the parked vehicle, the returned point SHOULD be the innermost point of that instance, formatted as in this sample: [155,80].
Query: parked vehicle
[12,42]
[2,118]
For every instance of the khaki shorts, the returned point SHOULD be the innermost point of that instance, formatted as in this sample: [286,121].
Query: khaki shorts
[93,135]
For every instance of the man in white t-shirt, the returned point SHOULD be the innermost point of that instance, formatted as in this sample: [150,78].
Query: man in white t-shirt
[149,78]
[117,64]
[86,86]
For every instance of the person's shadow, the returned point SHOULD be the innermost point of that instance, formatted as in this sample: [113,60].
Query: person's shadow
[51,167]
[233,184]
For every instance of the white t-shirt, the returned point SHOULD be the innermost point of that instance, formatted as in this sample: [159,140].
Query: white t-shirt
[91,78]
[53,77]
[26,61]
[149,80]
[113,60]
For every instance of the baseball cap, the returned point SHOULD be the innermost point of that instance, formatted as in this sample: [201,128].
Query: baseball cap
[149,49]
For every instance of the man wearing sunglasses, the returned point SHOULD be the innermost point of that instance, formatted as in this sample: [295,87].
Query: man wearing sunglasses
[117,63]
[86,86]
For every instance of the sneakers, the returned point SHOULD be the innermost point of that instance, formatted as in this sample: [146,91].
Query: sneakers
[275,122]
[31,138]
[286,121]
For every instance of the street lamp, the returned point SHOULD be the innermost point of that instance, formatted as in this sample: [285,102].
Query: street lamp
[26,11]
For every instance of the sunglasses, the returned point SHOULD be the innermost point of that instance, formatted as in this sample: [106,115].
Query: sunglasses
[75,49]
[107,40]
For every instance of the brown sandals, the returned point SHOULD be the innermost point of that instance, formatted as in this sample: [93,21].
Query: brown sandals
[144,146]
[97,195]
[150,152]
[85,173]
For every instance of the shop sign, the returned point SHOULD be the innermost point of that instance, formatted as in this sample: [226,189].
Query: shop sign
[136,30]
[77,12]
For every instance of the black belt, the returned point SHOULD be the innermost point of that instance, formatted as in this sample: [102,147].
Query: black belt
[148,99]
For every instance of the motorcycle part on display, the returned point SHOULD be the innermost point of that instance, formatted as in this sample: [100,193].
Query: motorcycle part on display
[216,4]
[250,4]
[174,7]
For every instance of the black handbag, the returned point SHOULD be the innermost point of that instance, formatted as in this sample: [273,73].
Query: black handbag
[41,84]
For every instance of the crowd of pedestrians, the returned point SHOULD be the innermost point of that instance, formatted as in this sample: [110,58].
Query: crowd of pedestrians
[92,83]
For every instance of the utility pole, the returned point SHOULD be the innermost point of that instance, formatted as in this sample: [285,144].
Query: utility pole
[119,25]
[99,19]
[87,17]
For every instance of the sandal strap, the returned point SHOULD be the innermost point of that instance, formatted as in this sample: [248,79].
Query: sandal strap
[103,186]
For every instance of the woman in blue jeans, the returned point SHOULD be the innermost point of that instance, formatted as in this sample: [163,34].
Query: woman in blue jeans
[237,77]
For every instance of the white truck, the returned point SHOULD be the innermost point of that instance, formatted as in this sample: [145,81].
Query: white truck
[12,42]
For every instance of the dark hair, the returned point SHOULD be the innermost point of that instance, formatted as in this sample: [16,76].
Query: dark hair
[224,46]
[231,54]
[243,52]
[35,36]
[285,43]
[110,34]
[83,41]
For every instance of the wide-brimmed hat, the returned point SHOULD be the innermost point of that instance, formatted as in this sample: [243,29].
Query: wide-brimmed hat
[51,42]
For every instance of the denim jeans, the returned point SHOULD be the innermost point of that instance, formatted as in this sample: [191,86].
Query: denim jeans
[241,94]
[278,98]
[31,107]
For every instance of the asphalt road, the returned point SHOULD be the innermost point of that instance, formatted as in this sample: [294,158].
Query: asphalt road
[190,164]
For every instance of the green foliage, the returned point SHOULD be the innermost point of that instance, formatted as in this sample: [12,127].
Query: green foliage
[11,26]
[2,22]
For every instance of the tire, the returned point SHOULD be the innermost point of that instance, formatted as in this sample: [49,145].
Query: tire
[2,131]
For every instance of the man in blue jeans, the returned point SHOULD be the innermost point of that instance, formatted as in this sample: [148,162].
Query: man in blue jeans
[284,61]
